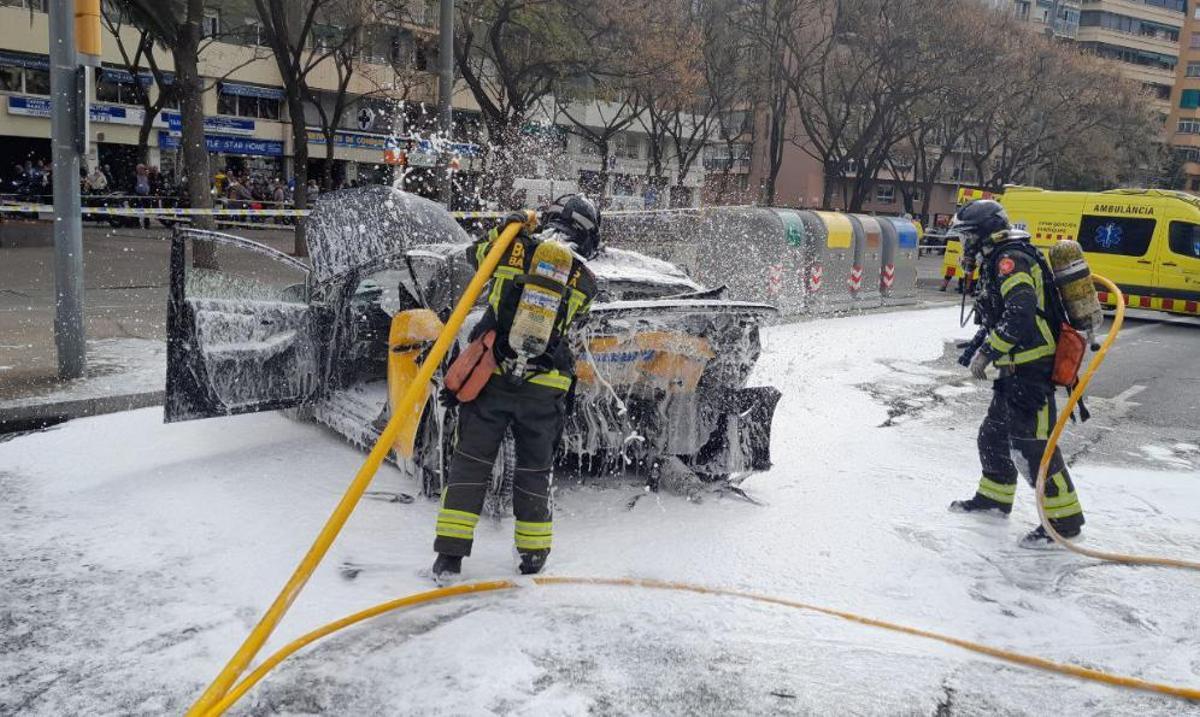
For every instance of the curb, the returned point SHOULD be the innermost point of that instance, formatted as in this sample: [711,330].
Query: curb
[38,415]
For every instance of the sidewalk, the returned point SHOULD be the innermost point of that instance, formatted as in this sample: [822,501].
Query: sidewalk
[125,298]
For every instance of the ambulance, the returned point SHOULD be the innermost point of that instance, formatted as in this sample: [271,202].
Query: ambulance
[1145,240]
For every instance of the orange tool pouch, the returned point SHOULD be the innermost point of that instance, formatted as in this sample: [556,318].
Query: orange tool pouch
[473,368]
[1068,356]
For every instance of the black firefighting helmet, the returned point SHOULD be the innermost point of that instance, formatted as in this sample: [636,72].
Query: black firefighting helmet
[576,216]
[977,224]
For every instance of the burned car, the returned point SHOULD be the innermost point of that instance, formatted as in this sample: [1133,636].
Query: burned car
[663,362]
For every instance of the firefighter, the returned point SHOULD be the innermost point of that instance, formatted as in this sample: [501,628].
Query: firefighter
[534,405]
[1017,335]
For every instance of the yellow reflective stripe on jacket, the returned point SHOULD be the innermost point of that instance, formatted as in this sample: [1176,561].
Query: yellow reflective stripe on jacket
[552,379]
[1016,280]
[999,492]
[1048,345]
[999,344]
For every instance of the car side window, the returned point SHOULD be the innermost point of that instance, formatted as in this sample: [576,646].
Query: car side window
[1185,239]
[1124,236]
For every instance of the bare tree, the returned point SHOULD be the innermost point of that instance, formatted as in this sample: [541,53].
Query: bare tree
[179,26]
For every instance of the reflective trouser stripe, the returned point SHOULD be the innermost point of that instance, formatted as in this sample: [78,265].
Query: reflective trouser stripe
[1066,503]
[456,523]
[533,536]
[999,492]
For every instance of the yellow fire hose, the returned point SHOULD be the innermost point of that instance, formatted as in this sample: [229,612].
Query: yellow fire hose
[491,586]
[416,390]
[1061,424]
[223,693]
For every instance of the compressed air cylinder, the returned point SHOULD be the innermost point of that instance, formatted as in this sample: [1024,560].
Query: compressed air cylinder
[1074,280]
[544,289]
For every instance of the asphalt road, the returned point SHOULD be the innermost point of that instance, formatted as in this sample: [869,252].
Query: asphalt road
[1153,367]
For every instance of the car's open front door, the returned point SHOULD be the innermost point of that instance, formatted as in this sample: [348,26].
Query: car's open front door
[240,333]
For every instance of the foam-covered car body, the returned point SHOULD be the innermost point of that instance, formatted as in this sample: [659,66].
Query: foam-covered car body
[662,362]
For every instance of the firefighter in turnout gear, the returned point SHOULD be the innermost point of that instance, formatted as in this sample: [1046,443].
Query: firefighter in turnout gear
[1017,336]
[528,393]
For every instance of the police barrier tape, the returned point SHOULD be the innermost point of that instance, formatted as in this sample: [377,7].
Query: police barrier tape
[176,212]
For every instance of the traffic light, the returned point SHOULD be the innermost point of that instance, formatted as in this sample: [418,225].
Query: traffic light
[87,28]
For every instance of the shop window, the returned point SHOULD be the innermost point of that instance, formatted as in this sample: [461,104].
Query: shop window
[1185,239]
[12,79]
[37,82]
[1125,236]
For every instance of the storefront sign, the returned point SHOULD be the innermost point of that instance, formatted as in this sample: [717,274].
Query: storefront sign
[223,144]
[27,106]
[219,124]
[266,93]
[351,140]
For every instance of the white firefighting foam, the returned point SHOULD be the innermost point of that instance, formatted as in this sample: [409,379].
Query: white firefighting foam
[136,556]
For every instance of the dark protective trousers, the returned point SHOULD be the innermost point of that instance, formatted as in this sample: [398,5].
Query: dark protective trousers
[1013,438]
[536,415]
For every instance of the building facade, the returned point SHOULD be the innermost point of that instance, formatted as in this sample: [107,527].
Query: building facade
[248,130]
[1183,127]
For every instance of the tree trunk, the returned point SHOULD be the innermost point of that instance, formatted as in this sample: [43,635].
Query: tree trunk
[299,164]
[327,170]
[144,129]
[831,176]
[191,110]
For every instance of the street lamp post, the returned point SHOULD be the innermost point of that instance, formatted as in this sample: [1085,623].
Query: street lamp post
[445,92]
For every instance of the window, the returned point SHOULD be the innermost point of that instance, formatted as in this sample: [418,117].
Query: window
[37,82]
[1185,239]
[38,5]
[625,185]
[212,23]
[116,86]
[626,146]
[1125,236]
[242,106]
[1194,43]
[1189,99]
[1189,126]
[1194,184]
[1193,68]
[885,193]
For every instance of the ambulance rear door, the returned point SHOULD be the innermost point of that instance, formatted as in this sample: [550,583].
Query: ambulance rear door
[1121,236]
[1178,267]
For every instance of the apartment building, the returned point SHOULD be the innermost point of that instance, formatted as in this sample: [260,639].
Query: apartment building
[1142,35]
[1057,17]
[1183,127]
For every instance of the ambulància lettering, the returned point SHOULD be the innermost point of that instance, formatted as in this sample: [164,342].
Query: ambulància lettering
[1118,209]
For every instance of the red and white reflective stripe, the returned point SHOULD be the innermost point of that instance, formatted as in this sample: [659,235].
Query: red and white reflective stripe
[815,273]
[1178,306]
[855,280]
[775,279]
[887,277]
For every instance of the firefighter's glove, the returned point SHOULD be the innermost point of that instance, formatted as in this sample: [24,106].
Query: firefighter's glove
[521,218]
[979,365]
[447,398]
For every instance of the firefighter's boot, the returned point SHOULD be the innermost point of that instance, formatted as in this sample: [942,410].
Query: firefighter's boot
[982,505]
[1039,539]
[446,568]
[533,562]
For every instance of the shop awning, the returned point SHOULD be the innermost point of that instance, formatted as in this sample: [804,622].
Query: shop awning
[24,60]
[266,93]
